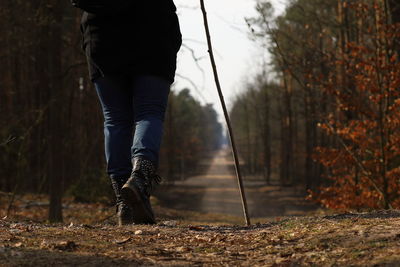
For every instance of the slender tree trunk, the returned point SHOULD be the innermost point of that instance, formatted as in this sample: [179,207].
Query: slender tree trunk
[267,138]
[308,142]
[56,168]
[394,7]
[287,134]
[247,130]
[381,18]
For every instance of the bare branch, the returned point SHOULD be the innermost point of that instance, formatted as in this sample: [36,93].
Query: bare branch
[193,84]
[228,122]
[9,140]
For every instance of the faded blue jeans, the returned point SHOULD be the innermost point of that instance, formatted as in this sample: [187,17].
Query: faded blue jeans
[132,104]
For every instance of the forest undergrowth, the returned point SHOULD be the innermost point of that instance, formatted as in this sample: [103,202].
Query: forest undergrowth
[89,237]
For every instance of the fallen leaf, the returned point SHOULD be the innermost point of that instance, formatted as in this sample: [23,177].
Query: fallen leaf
[123,241]
[18,245]
[44,244]
[66,246]
[170,223]
[196,228]
[182,249]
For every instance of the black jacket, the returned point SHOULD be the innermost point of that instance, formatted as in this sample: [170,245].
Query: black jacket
[124,36]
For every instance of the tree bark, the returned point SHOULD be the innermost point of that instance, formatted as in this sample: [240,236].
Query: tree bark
[56,168]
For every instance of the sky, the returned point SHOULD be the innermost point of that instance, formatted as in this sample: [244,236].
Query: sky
[238,58]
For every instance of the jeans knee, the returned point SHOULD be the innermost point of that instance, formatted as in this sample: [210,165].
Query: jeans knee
[114,119]
[150,112]
[118,126]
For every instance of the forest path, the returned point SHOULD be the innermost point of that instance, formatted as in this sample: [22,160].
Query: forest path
[216,191]
[220,190]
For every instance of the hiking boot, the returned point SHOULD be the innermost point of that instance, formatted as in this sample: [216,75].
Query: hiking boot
[124,212]
[137,190]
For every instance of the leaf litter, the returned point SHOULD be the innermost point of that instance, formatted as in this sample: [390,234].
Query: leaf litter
[358,239]
[183,238]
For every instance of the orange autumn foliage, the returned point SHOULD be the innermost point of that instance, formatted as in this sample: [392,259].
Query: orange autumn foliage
[363,167]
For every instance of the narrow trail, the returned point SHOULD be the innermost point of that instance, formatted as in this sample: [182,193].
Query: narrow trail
[221,193]
[216,191]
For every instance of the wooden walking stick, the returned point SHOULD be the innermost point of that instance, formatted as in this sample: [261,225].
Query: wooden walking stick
[228,122]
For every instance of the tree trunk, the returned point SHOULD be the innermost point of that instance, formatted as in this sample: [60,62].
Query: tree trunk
[247,130]
[394,7]
[287,134]
[56,168]
[308,142]
[267,138]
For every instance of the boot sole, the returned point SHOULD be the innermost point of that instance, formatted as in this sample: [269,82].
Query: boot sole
[141,213]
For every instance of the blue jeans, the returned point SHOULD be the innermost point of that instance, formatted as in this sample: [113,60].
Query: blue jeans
[132,104]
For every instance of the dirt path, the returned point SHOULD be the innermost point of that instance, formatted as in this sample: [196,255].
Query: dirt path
[216,191]
[220,191]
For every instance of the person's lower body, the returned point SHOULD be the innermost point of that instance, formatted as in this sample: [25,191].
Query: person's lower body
[133,105]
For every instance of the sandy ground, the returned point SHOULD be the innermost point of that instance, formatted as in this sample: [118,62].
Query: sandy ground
[216,191]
